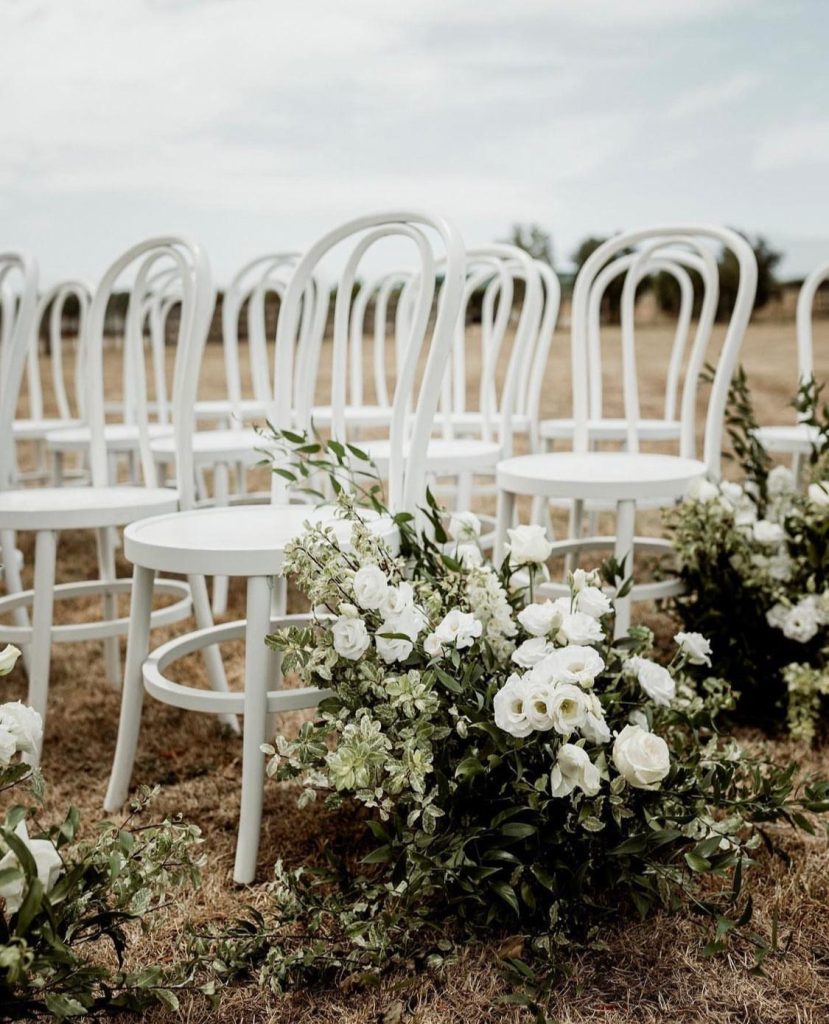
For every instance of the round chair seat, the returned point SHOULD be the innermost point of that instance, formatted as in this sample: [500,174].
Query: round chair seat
[613,476]
[36,430]
[80,508]
[210,446]
[443,455]
[797,438]
[610,429]
[242,540]
[119,437]
[224,409]
[354,415]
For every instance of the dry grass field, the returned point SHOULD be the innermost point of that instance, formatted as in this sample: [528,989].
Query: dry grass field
[648,973]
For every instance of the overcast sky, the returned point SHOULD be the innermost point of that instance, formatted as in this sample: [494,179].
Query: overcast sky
[254,125]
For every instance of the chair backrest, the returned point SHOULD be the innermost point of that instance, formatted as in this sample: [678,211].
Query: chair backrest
[433,239]
[55,300]
[805,309]
[193,284]
[19,311]
[674,239]
[535,369]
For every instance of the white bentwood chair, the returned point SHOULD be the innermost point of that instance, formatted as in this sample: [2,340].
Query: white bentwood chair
[797,439]
[625,479]
[103,506]
[249,541]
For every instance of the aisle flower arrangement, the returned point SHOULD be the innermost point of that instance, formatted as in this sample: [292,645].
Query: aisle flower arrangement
[508,767]
[66,903]
[755,557]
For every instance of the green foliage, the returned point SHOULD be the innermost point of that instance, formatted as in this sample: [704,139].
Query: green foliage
[532,238]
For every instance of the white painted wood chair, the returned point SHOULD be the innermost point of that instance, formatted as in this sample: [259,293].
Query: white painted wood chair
[631,477]
[103,506]
[797,439]
[249,541]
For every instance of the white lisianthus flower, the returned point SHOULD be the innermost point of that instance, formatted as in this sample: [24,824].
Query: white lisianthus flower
[47,861]
[567,707]
[409,623]
[574,770]
[8,746]
[432,645]
[776,615]
[695,647]
[767,533]
[24,723]
[528,545]
[780,481]
[370,586]
[469,555]
[351,639]
[819,494]
[703,490]
[576,664]
[802,622]
[641,757]
[508,707]
[464,526]
[655,679]
[595,728]
[8,658]
[541,619]
[397,599]
[579,628]
[539,699]
[594,602]
[581,578]
[532,651]
[459,629]
[732,494]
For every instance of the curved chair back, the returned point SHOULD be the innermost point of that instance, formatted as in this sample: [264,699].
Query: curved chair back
[805,309]
[698,240]
[535,369]
[19,312]
[415,391]
[55,301]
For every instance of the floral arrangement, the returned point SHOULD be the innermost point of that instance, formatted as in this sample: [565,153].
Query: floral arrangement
[755,557]
[508,766]
[65,903]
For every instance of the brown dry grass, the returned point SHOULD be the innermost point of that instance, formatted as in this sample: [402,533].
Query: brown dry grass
[652,972]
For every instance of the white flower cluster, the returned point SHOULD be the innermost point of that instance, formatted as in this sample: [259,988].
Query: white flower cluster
[801,621]
[21,727]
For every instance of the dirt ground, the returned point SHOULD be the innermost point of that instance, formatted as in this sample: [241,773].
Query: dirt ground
[649,973]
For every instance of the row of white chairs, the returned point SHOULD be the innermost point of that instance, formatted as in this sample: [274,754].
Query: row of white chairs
[428,432]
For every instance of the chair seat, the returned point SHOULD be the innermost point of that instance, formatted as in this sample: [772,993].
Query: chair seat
[242,540]
[210,446]
[613,476]
[224,409]
[795,438]
[611,429]
[444,456]
[119,437]
[36,430]
[82,508]
[354,415]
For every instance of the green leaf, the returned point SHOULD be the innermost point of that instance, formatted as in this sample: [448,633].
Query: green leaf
[507,894]
[518,829]
[62,1006]
[697,863]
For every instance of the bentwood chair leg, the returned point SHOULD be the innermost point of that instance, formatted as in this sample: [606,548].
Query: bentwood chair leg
[106,568]
[504,514]
[625,527]
[41,652]
[14,584]
[220,500]
[132,692]
[254,733]
[216,676]
[575,532]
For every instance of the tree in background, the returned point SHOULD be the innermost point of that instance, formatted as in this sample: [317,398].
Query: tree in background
[612,298]
[533,239]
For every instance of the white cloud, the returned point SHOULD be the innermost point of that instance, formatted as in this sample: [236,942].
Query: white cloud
[805,143]
[714,95]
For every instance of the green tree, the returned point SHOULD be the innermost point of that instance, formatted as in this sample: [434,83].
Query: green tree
[533,239]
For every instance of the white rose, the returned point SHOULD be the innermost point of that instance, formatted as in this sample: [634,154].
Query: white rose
[532,651]
[819,494]
[351,637]
[397,599]
[8,659]
[695,647]
[409,623]
[370,586]
[641,757]
[469,555]
[576,664]
[766,532]
[528,545]
[543,618]
[781,481]
[47,861]
[802,622]
[460,629]
[464,526]
[24,723]
[574,769]
[432,645]
[593,602]
[595,728]
[8,746]
[703,490]
[581,578]
[567,708]
[578,628]
[655,680]
[508,707]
